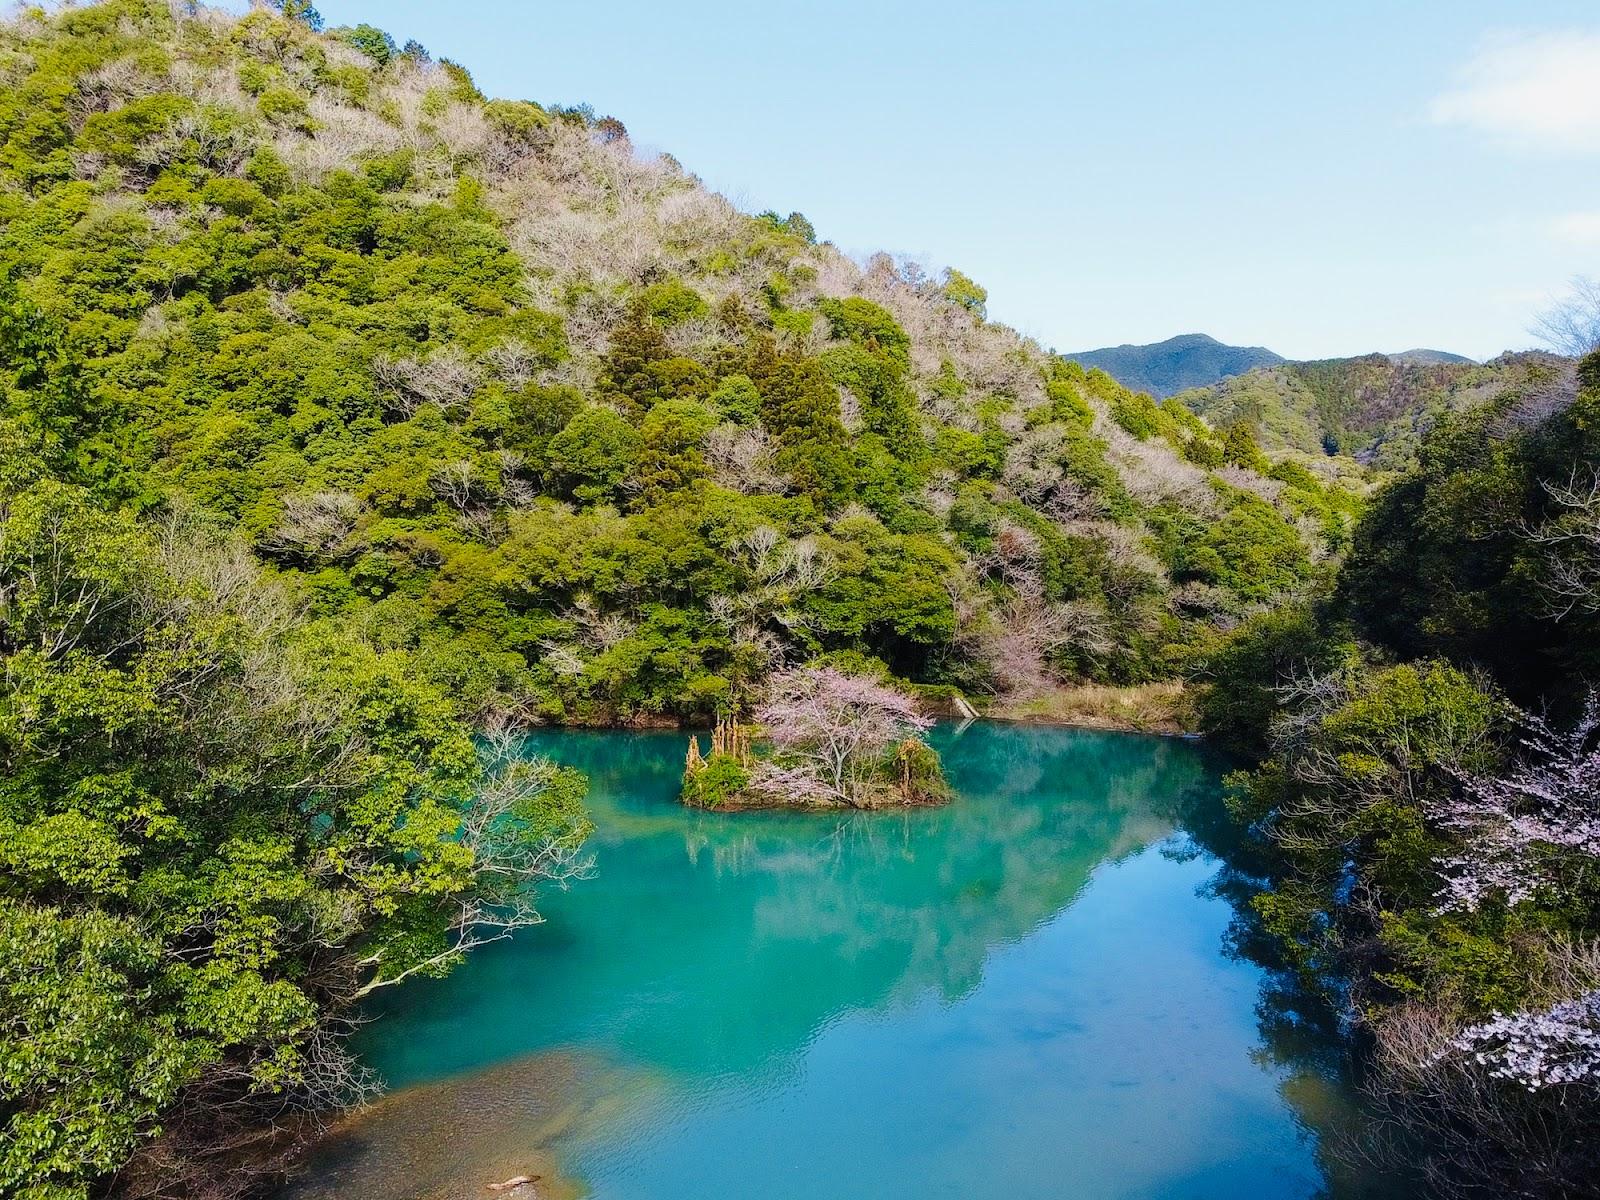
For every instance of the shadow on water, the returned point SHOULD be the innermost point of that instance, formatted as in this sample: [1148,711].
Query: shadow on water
[1028,989]
[1304,1039]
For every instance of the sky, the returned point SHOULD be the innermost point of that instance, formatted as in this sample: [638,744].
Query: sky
[1323,179]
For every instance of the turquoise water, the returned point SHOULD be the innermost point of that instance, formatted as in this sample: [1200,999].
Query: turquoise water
[1026,993]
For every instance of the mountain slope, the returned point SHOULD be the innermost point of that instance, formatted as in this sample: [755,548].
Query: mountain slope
[1421,357]
[602,446]
[1190,360]
[1374,407]
[345,410]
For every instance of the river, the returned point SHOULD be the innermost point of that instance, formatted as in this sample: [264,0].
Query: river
[1034,991]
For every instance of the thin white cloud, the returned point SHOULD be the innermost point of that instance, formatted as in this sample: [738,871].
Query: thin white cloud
[1578,228]
[1539,91]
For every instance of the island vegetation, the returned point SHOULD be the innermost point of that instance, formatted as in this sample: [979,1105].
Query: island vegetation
[352,420]
[822,738]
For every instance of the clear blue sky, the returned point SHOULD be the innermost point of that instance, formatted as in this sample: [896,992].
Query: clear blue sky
[1321,179]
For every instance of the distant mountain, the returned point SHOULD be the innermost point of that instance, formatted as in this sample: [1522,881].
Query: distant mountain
[1428,358]
[1374,407]
[1190,360]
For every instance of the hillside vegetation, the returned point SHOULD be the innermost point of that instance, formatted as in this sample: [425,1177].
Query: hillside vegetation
[476,377]
[350,419]
[1375,408]
[347,412]
[1430,788]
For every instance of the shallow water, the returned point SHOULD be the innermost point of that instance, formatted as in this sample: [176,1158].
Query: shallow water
[1026,993]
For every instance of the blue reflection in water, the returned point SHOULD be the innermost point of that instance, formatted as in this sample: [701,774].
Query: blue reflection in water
[1021,994]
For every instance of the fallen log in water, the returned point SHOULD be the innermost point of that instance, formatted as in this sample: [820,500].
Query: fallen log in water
[515,1181]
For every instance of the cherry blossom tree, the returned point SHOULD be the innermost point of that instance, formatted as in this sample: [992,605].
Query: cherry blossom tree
[1544,1048]
[832,734]
[1511,823]
[1520,831]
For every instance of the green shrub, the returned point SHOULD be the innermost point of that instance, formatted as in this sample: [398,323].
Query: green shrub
[1137,413]
[672,302]
[282,106]
[736,399]
[593,454]
[370,40]
[716,784]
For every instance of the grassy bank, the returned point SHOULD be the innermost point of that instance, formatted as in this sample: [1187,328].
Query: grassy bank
[1163,707]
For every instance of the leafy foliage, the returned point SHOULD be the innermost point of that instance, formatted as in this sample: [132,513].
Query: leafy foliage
[1434,845]
[318,304]
[215,822]
[1376,407]
[345,410]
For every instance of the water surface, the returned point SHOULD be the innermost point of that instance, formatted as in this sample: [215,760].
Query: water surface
[1026,993]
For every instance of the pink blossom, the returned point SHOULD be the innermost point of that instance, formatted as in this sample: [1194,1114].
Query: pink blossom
[1551,801]
[831,732]
[1540,1049]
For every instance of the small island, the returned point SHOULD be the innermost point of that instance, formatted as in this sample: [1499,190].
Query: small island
[822,738]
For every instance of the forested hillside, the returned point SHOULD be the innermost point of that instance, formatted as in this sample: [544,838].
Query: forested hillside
[483,380]
[1375,408]
[347,412]
[352,419]
[1431,789]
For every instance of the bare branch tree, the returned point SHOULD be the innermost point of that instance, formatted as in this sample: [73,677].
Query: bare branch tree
[447,378]
[512,362]
[465,488]
[740,458]
[1572,326]
[314,526]
[1571,541]
[526,829]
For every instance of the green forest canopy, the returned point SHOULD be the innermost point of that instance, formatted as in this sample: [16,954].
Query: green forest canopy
[472,375]
[347,411]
